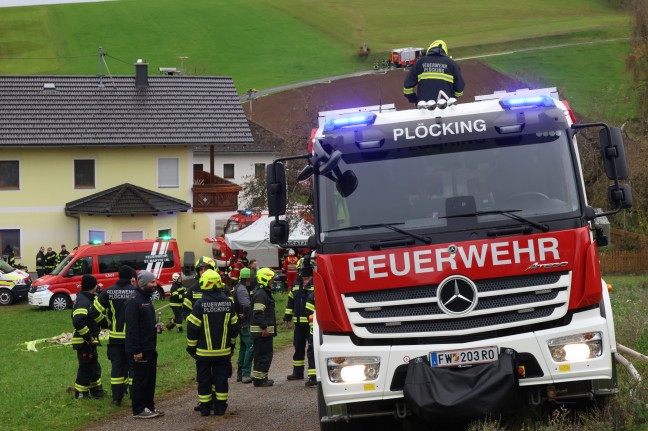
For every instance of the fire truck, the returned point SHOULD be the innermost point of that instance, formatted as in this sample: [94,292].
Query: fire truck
[405,57]
[236,222]
[457,264]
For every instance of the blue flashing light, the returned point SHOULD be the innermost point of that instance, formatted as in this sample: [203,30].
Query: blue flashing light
[248,212]
[527,102]
[358,119]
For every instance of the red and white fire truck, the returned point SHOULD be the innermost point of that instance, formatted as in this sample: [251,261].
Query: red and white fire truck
[405,57]
[236,222]
[457,264]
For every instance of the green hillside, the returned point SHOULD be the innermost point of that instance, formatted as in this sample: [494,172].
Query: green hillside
[263,43]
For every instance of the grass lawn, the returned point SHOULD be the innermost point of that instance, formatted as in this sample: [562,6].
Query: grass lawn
[264,43]
[35,395]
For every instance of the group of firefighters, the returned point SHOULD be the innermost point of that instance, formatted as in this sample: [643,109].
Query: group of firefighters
[216,316]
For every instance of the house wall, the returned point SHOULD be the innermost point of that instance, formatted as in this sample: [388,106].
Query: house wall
[243,164]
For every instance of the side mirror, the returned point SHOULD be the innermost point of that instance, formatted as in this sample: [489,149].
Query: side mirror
[276,189]
[620,196]
[613,153]
[346,183]
[331,163]
[279,231]
[305,173]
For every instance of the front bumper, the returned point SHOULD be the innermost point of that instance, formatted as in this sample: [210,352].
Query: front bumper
[40,299]
[394,359]
[20,292]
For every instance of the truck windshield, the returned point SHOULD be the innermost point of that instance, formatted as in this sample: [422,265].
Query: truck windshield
[62,265]
[5,267]
[231,226]
[429,188]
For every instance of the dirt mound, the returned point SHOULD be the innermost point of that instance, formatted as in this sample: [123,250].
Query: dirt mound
[294,111]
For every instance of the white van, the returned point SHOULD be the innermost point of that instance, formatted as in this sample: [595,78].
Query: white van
[14,284]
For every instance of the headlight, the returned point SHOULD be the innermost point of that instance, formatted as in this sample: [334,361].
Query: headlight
[576,347]
[353,369]
[20,282]
[42,288]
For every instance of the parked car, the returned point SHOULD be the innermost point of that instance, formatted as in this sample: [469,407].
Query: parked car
[14,284]
[58,290]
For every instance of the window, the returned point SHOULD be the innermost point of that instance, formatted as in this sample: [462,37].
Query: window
[9,174]
[228,170]
[10,240]
[136,260]
[198,167]
[84,174]
[259,170]
[132,235]
[96,235]
[169,172]
[82,266]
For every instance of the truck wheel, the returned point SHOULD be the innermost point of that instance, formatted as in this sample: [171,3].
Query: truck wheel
[321,409]
[6,297]
[60,302]
[158,294]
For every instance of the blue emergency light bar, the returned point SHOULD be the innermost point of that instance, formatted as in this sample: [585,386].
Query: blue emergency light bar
[358,119]
[527,102]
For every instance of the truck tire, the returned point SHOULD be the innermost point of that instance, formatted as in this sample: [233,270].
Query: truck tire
[6,297]
[60,302]
[321,410]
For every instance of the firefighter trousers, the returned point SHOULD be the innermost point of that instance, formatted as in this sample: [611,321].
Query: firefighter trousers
[88,378]
[144,376]
[119,373]
[212,375]
[246,351]
[177,314]
[302,338]
[262,356]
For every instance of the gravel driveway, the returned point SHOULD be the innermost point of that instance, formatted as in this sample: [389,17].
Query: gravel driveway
[287,406]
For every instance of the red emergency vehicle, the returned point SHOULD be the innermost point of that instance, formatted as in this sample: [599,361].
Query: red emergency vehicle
[405,57]
[457,264]
[236,222]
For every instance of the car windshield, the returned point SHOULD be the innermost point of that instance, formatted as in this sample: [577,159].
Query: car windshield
[61,266]
[431,188]
[5,267]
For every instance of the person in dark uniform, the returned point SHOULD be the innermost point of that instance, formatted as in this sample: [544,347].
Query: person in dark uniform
[310,353]
[85,340]
[263,327]
[50,260]
[141,344]
[243,306]
[111,304]
[212,328]
[296,313]
[40,261]
[9,256]
[176,299]
[433,73]
[62,254]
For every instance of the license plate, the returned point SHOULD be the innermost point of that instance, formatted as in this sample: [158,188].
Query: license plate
[449,358]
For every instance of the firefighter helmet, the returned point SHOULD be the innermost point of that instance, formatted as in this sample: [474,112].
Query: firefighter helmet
[205,261]
[291,252]
[175,276]
[439,43]
[210,280]
[264,276]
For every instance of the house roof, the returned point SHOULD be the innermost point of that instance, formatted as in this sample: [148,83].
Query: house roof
[126,199]
[265,141]
[54,111]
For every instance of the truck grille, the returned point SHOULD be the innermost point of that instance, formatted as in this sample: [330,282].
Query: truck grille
[502,303]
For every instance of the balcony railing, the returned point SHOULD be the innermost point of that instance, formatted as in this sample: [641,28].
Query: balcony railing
[214,194]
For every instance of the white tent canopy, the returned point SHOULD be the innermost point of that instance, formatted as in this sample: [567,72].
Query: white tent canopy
[255,239]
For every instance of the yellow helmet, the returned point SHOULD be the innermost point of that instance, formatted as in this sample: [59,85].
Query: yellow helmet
[440,43]
[264,276]
[205,261]
[210,280]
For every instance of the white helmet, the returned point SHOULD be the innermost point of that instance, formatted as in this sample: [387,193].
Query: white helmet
[175,276]
[291,252]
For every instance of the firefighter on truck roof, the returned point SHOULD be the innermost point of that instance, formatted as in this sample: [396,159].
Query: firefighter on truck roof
[433,73]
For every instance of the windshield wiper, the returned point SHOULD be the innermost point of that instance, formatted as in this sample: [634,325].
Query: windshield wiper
[507,213]
[385,225]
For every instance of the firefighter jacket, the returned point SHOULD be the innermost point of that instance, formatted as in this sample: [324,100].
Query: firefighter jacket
[141,335]
[192,295]
[290,264]
[296,307]
[212,326]
[111,304]
[243,304]
[263,312]
[40,261]
[235,271]
[85,328]
[433,72]
[61,256]
[310,309]
[176,298]
[50,260]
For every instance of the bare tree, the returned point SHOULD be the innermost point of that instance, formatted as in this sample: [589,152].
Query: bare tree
[638,59]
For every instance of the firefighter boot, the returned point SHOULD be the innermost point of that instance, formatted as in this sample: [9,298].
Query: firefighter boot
[263,383]
[312,381]
[239,375]
[205,409]
[219,408]
[79,395]
[297,374]
[97,392]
